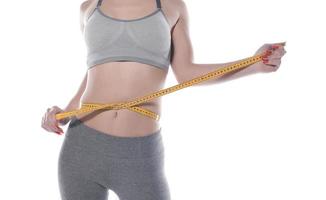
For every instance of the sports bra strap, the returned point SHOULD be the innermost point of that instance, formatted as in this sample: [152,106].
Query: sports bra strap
[158,3]
[99,3]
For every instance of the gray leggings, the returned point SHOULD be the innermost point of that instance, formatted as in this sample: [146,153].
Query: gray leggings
[91,162]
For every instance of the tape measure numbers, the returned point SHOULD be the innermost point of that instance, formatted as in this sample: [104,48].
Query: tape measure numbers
[132,105]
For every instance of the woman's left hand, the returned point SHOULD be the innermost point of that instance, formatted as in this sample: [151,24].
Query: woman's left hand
[272,59]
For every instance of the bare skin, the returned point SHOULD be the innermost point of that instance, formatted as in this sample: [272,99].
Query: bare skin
[123,81]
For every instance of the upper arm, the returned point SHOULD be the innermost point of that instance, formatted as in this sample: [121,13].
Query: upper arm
[182,58]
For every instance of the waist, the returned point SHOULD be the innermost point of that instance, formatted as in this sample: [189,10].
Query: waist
[122,82]
[122,122]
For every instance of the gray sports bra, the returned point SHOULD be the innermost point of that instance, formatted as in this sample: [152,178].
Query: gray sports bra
[146,39]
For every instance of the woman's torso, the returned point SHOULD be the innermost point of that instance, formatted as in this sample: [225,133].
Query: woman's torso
[122,81]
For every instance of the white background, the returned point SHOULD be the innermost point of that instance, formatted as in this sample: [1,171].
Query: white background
[256,137]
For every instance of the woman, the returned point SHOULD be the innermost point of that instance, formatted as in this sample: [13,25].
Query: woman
[130,47]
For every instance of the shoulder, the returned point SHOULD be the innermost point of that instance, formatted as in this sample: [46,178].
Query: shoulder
[181,10]
[85,8]
[179,6]
[174,9]
[86,4]
[182,7]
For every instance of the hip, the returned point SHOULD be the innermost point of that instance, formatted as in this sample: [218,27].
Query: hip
[95,153]
[79,134]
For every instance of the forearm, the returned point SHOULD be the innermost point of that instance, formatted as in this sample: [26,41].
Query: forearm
[201,69]
[73,104]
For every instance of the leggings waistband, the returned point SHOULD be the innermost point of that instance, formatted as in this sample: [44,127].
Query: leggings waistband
[90,139]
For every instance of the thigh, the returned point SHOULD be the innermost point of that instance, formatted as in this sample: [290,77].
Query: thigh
[73,187]
[140,179]
[77,174]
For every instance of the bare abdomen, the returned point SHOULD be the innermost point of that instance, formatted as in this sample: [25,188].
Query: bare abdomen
[118,82]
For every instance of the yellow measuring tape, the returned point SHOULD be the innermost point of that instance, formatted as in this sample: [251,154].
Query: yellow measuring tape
[131,105]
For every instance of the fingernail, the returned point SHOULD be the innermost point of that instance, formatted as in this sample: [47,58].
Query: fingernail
[275,46]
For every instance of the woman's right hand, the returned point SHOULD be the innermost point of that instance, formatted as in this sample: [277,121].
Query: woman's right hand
[50,123]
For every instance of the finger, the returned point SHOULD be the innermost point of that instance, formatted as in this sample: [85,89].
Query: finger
[266,61]
[276,55]
[50,123]
[274,62]
[282,51]
[48,128]
[267,53]
[44,126]
[271,68]
[55,122]
[279,45]
[55,126]
[277,51]
[55,129]
[52,115]
[274,68]
[52,119]
[280,48]
[272,47]
[276,46]
[43,120]
[60,129]
[56,108]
